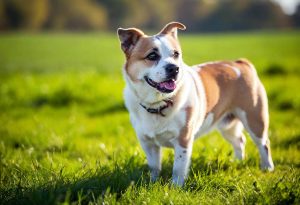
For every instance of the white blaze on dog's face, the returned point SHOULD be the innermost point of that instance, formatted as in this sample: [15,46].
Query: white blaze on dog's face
[153,63]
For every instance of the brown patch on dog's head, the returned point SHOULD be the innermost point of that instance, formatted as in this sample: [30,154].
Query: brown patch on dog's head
[129,37]
[135,45]
[137,57]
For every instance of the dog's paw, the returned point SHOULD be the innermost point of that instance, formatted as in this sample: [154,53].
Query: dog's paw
[269,167]
[178,181]
[154,175]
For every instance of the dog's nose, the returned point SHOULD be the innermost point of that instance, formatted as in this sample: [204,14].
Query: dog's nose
[172,70]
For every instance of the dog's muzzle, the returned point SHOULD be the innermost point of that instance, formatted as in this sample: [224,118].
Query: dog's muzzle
[167,86]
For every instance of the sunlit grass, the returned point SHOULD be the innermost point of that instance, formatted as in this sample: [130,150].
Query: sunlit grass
[65,135]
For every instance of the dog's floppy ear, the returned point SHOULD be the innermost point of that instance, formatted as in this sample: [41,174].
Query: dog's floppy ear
[129,37]
[171,28]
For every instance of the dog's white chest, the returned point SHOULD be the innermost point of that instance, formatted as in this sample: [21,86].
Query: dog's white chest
[164,139]
[157,130]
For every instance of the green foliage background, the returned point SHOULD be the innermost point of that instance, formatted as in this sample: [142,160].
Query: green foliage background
[198,15]
[65,136]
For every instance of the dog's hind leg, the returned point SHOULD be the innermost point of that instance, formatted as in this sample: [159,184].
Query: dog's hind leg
[231,129]
[259,134]
[256,121]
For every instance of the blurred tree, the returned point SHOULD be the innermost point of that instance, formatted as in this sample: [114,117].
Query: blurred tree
[141,13]
[3,19]
[137,14]
[198,15]
[77,15]
[30,14]
[264,14]
[117,10]
[245,14]
[296,17]
[193,12]
[158,13]
[187,12]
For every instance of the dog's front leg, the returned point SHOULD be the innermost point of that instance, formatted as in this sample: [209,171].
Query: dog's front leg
[153,153]
[181,163]
[183,146]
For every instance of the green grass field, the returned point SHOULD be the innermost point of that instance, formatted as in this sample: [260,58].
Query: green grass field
[65,136]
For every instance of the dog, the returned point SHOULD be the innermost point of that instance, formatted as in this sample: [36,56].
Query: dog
[171,104]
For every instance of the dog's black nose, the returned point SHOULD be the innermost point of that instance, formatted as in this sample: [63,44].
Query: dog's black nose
[172,70]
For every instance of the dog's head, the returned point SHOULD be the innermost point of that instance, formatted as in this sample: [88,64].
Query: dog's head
[153,63]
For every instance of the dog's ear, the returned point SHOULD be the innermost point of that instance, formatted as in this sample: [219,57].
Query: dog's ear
[171,28]
[129,37]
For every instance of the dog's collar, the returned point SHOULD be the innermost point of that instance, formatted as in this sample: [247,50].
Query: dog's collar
[159,110]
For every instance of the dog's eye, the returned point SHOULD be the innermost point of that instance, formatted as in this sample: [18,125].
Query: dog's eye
[152,56]
[176,54]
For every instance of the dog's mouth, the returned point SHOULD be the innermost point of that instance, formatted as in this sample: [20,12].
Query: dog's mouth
[167,86]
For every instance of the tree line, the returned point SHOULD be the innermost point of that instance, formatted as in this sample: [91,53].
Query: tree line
[198,15]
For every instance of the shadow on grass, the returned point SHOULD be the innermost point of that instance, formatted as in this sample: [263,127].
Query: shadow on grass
[89,187]
[282,104]
[60,98]
[113,181]
[114,108]
[293,141]
[275,69]
[93,186]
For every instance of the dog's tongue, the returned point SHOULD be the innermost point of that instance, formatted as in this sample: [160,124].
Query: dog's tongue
[169,85]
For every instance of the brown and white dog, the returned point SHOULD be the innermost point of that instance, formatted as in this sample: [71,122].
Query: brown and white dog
[171,104]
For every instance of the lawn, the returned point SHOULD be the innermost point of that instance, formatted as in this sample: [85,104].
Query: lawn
[65,135]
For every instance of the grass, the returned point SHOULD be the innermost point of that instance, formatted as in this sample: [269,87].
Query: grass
[65,136]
